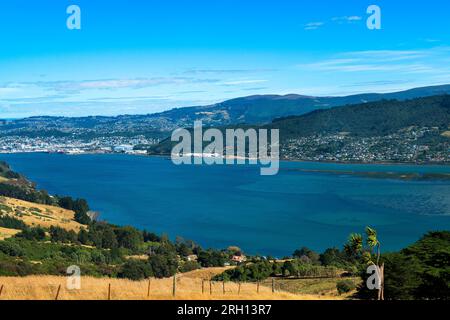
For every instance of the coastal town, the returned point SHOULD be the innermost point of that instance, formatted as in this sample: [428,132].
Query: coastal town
[69,145]
[413,145]
[424,145]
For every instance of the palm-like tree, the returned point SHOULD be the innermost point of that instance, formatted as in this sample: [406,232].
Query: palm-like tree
[355,246]
[372,242]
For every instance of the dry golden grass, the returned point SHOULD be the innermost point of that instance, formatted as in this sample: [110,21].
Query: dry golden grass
[142,257]
[3,179]
[34,214]
[446,134]
[7,233]
[187,288]
[206,273]
[326,286]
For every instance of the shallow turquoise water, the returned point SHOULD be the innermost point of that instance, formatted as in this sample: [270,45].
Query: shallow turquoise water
[219,206]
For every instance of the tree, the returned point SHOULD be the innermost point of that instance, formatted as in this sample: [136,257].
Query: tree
[211,258]
[79,206]
[129,238]
[135,270]
[332,257]
[163,266]
[183,250]
[109,239]
[58,234]
[32,234]
[306,255]
[190,266]
[82,217]
[83,237]
[150,236]
[290,268]
[12,223]
[402,276]
[11,249]
[355,247]
[420,271]
[345,286]
[432,252]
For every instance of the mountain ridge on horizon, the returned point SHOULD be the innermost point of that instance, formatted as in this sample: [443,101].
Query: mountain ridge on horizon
[385,130]
[255,110]
[369,96]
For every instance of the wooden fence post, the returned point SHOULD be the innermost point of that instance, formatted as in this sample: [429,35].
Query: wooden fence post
[57,292]
[203,286]
[1,290]
[257,287]
[174,286]
[239,288]
[273,285]
[109,291]
[223,286]
[149,287]
[210,287]
[382,281]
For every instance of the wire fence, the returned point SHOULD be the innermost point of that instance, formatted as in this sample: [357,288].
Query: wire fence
[115,289]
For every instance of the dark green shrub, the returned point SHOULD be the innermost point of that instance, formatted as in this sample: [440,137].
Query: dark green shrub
[190,266]
[163,266]
[11,249]
[345,286]
[12,223]
[135,270]
[32,234]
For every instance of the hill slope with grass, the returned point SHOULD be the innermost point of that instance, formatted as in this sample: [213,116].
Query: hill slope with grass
[39,215]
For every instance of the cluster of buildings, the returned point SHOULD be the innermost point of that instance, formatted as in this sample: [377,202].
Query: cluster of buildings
[237,258]
[409,145]
[414,144]
[70,145]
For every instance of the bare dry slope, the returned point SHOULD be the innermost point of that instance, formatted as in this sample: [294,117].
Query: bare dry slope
[7,233]
[34,214]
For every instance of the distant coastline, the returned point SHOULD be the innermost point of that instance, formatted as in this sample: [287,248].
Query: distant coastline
[404,176]
[399,163]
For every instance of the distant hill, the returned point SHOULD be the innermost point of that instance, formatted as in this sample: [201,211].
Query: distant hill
[413,130]
[261,109]
[264,108]
[369,119]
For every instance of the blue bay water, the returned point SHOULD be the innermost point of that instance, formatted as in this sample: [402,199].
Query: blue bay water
[218,206]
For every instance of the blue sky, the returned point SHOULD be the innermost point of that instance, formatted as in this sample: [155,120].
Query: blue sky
[147,56]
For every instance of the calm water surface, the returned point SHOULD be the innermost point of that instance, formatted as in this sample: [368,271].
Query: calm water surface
[218,206]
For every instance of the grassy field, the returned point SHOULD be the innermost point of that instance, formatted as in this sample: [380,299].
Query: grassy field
[7,233]
[34,214]
[324,287]
[189,286]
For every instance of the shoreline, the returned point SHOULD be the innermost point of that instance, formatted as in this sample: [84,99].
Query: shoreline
[362,174]
[384,163]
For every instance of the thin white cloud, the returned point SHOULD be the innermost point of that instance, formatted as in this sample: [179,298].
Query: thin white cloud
[335,20]
[6,91]
[314,25]
[240,82]
[404,61]
[347,19]
[430,40]
[71,87]
[388,55]
[226,71]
